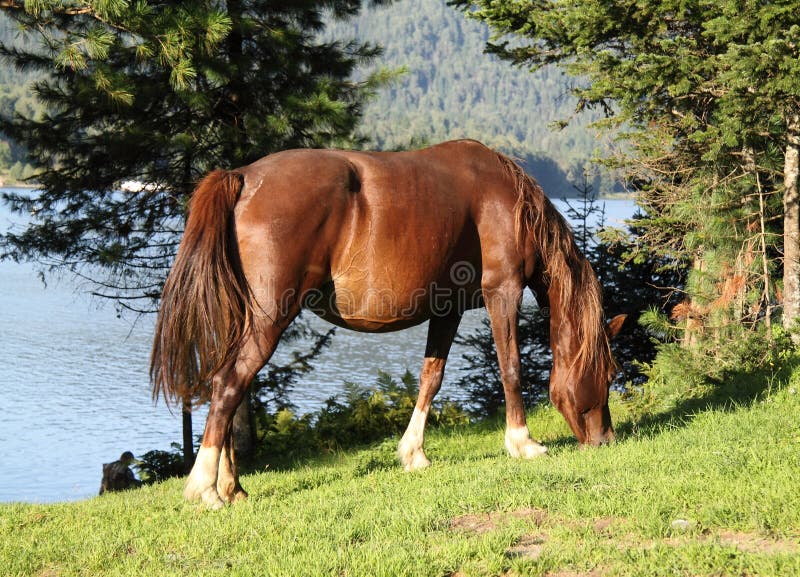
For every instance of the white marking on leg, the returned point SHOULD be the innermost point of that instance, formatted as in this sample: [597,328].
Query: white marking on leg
[202,481]
[410,448]
[519,443]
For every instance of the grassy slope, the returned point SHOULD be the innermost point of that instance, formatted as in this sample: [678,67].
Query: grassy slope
[731,471]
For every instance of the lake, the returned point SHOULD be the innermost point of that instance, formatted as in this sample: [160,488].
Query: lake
[75,389]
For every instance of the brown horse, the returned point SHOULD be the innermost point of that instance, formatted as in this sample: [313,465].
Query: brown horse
[375,242]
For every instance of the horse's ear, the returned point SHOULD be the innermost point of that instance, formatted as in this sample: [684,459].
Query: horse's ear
[614,325]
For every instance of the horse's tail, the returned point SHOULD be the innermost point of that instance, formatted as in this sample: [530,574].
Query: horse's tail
[537,221]
[206,302]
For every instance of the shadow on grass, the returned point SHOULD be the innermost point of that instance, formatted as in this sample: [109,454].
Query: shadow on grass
[733,389]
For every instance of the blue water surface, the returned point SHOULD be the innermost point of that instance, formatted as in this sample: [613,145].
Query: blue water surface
[74,386]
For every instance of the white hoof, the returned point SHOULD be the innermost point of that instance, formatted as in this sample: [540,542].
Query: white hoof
[207,495]
[202,481]
[530,450]
[412,457]
[231,493]
[410,448]
[416,461]
[520,445]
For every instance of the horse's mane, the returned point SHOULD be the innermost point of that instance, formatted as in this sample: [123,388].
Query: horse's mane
[538,221]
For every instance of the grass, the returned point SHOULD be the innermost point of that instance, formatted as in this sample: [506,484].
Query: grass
[702,486]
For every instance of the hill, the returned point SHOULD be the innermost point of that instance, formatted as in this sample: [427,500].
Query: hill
[452,89]
[702,483]
[15,96]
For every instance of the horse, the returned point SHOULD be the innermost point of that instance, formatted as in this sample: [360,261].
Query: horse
[375,242]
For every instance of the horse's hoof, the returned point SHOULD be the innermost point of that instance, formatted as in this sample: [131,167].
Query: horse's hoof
[520,445]
[231,492]
[211,500]
[412,458]
[417,462]
[532,450]
[206,495]
[239,495]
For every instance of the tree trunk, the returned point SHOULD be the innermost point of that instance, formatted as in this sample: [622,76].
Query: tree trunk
[766,293]
[188,442]
[694,325]
[791,224]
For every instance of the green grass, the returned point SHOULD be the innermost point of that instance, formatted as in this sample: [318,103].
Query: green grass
[729,469]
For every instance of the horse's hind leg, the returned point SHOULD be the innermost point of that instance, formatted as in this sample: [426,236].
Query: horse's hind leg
[228,486]
[228,388]
[441,332]
[502,302]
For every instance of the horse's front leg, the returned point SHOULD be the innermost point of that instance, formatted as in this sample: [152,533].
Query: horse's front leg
[441,331]
[502,303]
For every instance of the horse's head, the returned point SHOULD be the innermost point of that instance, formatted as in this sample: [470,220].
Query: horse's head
[579,382]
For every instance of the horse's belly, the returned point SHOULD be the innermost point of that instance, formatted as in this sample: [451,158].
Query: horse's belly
[366,325]
[377,309]
[371,310]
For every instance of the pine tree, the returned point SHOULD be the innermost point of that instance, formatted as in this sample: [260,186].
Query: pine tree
[759,82]
[161,93]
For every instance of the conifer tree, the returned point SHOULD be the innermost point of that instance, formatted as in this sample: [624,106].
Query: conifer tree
[160,93]
[705,96]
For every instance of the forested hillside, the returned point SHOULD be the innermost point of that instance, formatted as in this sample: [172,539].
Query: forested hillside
[14,95]
[449,89]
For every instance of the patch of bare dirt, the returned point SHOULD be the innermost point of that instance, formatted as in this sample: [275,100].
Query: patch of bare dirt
[529,547]
[753,543]
[607,526]
[485,522]
[745,542]
[474,523]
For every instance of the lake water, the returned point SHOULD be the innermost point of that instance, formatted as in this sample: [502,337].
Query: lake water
[74,385]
